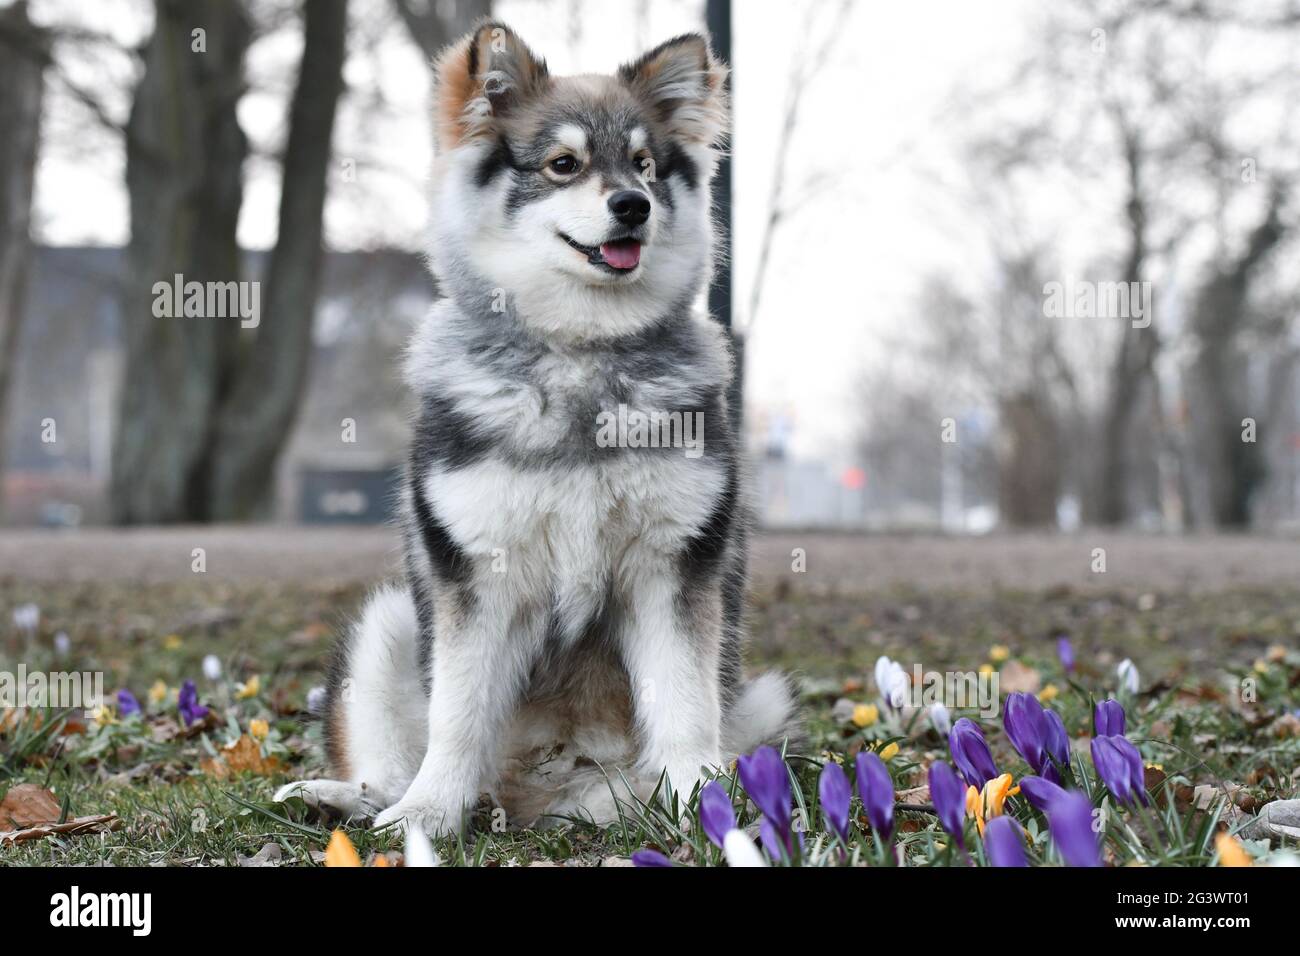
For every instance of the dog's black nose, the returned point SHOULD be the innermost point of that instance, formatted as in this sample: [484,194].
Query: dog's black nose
[630,207]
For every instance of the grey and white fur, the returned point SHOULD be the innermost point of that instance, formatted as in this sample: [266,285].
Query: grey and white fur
[572,613]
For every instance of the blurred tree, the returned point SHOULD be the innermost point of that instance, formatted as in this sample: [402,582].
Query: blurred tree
[1234,467]
[1139,107]
[435,23]
[205,405]
[259,410]
[185,155]
[23,53]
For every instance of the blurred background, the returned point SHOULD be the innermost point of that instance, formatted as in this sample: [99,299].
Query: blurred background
[908,184]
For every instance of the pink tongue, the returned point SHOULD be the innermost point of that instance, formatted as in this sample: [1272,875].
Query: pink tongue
[624,254]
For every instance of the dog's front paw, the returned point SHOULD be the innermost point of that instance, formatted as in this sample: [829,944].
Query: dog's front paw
[332,799]
[429,818]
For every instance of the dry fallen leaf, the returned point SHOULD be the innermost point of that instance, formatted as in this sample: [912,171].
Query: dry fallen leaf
[1016,677]
[243,756]
[92,824]
[269,855]
[27,805]
[915,797]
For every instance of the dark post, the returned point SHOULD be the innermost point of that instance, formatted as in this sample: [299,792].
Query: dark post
[718,19]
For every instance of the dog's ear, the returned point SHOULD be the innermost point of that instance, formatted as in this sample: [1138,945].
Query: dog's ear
[685,85]
[483,75]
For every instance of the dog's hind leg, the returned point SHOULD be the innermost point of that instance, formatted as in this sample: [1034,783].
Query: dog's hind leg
[376,725]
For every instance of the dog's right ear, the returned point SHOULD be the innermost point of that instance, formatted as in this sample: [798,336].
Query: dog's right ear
[483,75]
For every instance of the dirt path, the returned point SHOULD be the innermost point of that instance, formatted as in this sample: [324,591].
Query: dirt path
[840,564]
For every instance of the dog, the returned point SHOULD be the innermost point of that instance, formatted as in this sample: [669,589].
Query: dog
[570,627]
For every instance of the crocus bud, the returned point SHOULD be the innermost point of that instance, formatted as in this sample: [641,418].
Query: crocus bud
[971,754]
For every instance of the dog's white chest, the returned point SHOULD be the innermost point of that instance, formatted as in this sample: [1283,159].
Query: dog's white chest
[564,534]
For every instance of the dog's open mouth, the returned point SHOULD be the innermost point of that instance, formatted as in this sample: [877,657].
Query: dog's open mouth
[619,255]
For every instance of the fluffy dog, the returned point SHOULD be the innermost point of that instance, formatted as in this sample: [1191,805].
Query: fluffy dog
[575,519]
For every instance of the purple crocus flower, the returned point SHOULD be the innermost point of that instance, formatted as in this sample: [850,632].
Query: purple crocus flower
[1056,747]
[1119,764]
[717,815]
[1040,792]
[1004,842]
[126,703]
[948,795]
[971,754]
[187,701]
[1065,651]
[876,789]
[1026,726]
[650,858]
[1108,718]
[834,792]
[767,783]
[779,846]
[1070,820]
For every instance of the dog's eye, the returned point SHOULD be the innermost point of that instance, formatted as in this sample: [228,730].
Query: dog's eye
[565,165]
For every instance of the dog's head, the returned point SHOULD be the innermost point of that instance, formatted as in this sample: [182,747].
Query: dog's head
[583,201]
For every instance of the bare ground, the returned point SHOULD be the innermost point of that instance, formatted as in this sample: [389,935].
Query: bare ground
[835,563]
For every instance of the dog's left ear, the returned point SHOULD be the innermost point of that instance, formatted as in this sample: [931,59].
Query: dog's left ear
[686,86]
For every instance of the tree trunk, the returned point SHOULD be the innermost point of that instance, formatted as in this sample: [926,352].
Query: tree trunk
[1233,467]
[22,56]
[255,420]
[1133,363]
[433,25]
[185,154]
[1029,462]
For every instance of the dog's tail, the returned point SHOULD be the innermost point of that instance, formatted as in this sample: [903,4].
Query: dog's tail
[765,712]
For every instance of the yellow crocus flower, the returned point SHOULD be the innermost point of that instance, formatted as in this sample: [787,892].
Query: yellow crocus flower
[999,653]
[158,692]
[1231,852]
[988,804]
[890,752]
[251,689]
[340,851]
[258,729]
[864,715]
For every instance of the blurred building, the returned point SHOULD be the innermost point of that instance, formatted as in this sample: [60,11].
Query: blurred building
[353,421]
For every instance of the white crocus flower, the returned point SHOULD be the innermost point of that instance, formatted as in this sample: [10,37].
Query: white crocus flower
[940,718]
[62,644]
[212,667]
[1127,673]
[27,617]
[419,851]
[883,666]
[316,701]
[892,682]
[740,850]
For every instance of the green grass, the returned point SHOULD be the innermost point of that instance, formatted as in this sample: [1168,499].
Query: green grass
[1193,652]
